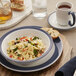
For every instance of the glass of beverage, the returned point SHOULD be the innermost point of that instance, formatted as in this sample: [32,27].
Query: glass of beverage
[39,8]
[5,11]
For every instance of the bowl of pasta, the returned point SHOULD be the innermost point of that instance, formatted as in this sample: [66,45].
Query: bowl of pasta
[26,46]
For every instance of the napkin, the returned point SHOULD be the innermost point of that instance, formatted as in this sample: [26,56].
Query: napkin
[67,69]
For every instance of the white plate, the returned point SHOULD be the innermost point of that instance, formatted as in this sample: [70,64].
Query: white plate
[52,60]
[53,22]
[18,16]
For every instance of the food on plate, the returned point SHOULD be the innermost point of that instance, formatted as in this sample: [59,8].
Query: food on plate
[45,29]
[25,48]
[17,5]
[54,33]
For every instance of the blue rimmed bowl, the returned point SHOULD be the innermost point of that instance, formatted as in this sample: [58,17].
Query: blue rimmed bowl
[28,31]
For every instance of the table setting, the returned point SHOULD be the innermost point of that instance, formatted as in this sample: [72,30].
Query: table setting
[34,42]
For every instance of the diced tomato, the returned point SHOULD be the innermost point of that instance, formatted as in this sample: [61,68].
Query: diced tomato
[39,55]
[19,58]
[22,58]
[26,39]
[31,38]
[11,56]
[42,51]
[22,38]
[24,50]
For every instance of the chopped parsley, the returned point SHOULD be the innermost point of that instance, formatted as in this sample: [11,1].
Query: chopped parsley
[29,41]
[17,39]
[19,55]
[35,52]
[15,49]
[26,46]
[35,38]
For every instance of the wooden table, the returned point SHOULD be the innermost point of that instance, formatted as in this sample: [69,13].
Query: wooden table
[70,35]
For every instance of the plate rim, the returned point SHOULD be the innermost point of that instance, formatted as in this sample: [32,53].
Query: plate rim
[43,63]
[57,27]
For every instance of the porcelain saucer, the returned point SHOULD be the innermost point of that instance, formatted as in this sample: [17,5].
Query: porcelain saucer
[53,23]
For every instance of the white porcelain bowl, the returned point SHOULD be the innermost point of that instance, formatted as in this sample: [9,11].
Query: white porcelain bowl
[28,31]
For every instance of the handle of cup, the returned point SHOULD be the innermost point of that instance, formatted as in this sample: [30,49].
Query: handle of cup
[73,15]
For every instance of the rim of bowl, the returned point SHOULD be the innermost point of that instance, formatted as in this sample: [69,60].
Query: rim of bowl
[27,27]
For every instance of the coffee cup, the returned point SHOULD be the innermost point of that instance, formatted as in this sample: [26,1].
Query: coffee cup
[64,13]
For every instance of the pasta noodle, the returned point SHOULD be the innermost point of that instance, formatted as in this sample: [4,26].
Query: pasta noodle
[25,48]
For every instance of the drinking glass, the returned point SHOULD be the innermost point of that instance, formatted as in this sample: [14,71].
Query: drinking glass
[5,11]
[39,8]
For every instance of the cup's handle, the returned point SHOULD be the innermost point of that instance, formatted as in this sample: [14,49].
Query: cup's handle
[73,15]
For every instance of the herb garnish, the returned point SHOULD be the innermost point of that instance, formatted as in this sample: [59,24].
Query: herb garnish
[16,38]
[19,55]
[15,49]
[35,52]
[35,38]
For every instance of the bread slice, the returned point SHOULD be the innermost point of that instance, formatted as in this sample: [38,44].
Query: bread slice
[46,29]
[17,5]
[18,1]
[54,33]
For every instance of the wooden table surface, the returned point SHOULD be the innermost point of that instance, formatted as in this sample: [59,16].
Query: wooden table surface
[70,34]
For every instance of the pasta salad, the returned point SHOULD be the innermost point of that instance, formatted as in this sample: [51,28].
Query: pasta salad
[25,48]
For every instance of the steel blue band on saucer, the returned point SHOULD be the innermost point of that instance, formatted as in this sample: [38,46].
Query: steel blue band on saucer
[59,28]
[28,27]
